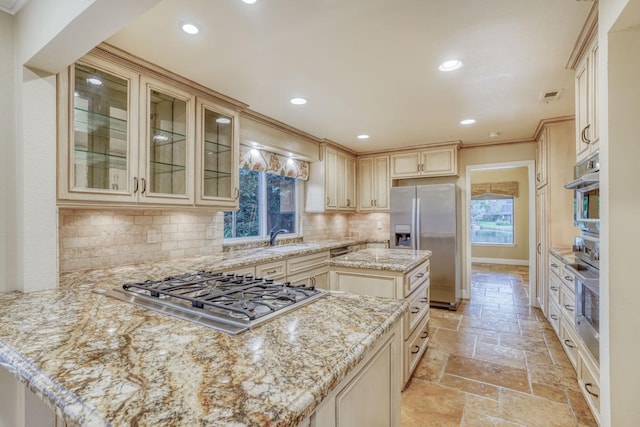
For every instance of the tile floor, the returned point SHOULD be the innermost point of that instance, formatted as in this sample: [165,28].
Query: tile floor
[494,362]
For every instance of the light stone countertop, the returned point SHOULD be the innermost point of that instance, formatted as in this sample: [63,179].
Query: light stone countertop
[100,361]
[400,260]
[565,254]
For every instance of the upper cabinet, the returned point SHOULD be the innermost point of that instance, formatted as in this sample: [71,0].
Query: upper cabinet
[587,117]
[373,182]
[332,182]
[126,138]
[440,161]
[541,159]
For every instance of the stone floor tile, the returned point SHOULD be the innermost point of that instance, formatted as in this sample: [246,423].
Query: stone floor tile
[471,386]
[482,405]
[425,404]
[581,409]
[454,342]
[431,366]
[492,325]
[563,377]
[492,373]
[549,392]
[534,411]
[444,323]
[502,355]
[476,419]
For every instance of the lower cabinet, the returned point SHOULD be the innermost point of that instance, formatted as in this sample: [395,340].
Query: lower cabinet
[309,270]
[370,394]
[414,286]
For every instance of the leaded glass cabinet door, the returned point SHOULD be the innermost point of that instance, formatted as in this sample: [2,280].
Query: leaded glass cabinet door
[167,144]
[217,151]
[97,121]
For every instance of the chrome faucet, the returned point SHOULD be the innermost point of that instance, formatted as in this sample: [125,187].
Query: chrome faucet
[273,234]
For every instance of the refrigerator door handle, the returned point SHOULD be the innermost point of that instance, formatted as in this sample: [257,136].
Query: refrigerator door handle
[416,237]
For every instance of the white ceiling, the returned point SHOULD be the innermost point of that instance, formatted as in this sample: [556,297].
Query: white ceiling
[11,6]
[371,66]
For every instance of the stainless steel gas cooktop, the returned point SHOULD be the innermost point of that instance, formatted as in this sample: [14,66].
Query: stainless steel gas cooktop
[225,302]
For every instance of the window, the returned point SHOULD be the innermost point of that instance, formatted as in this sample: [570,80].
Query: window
[492,220]
[267,202]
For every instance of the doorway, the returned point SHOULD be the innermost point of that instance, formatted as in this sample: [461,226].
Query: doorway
[497,224]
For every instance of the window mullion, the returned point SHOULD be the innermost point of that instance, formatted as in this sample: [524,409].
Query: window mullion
[262,205]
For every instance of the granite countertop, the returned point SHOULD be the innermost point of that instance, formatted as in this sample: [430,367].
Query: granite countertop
[401,260]
[565,254]
[100,361]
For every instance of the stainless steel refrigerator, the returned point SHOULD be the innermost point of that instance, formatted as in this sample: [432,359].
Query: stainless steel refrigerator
[426,217]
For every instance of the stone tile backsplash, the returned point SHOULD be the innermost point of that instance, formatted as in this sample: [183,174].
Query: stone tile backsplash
[101,238]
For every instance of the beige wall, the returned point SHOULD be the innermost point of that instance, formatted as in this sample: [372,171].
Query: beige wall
[7,159]
[520,251]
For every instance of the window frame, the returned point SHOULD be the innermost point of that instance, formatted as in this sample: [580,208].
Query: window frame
[262,224]
[513,221]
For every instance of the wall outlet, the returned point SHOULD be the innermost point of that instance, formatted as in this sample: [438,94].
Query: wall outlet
[152,236]
[211,231]
[379,224]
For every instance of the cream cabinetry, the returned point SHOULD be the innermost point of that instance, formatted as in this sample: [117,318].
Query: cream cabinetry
[373,182]
[438,161]
[541,160]
[586,90]
[332,182]
[127,138]
[414,286]
[309,270]
[370,395]
[554,203]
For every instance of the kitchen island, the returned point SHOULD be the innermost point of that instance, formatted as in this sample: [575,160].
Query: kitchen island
[402,274]
[99,361]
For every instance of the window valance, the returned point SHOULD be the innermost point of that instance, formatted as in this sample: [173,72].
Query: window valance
[266,161]
[497,188]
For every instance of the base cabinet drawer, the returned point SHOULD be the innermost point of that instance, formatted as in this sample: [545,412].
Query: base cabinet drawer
[589,380]
[273,270]
[554,316]
[416,277]
[306,262]
[418,308]
[569,341]
[554,288]
[414,347]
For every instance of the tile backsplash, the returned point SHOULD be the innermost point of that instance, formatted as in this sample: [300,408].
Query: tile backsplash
[102,238]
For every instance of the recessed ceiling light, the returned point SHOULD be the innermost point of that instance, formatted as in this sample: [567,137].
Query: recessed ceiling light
[450,65]
[223,120]
[190,28]
[94,81]
[468,121]
[363,136]
[249,1]
[298,101]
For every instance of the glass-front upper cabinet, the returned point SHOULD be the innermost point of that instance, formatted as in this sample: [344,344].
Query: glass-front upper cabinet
[167,156]
[96,151]
[217,152]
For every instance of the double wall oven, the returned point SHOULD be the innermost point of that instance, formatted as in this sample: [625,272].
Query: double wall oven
[586,249]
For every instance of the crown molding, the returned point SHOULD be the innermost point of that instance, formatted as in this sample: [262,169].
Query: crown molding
[549,122]
[588,31]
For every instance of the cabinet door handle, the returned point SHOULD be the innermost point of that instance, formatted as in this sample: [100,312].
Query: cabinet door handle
[426,334]
[144,185]
[416,351]
[348,202]
[584,136]
[375,203]
[538,177]
[569,344]
[554,317]
[569,278]
[569,307]
[587,387]
[328,201]
[135,184]
[236,193]
[371,202]
[539,246]
[415,310]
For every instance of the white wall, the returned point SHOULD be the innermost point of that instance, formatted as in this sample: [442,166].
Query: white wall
[619,107]
[7,155]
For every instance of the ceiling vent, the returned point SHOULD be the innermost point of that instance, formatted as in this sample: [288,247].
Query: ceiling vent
[550,96]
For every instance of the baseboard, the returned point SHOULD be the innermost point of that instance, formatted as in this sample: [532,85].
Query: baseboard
[500,261]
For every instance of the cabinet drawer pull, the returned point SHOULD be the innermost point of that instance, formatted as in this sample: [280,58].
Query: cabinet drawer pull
[569,307]
[426,334]
[415,310]
[554,317]
[135,184]
[144,185]
[554,265]
[554,288]
[416,351]
[587,387]
[270,272]
[424,300]
[569,278]
[569,344]
[420,275]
